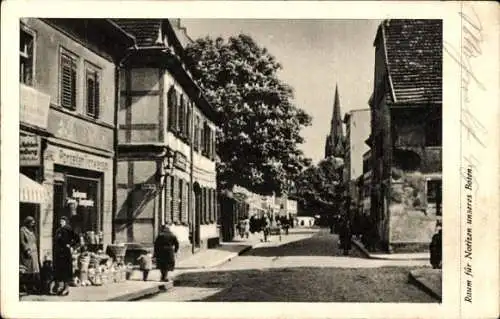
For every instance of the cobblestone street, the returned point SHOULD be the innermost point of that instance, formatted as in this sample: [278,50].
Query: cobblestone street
[311,269]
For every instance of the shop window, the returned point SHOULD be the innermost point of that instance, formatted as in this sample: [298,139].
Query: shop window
[26,59]
[82,196]
[68,68]
[93,92]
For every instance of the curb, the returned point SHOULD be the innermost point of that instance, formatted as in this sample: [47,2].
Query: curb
[374,256]
[221,261]
[132,296]
[423,286]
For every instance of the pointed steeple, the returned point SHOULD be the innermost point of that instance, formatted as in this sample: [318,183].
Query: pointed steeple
[336,128]
[335,141]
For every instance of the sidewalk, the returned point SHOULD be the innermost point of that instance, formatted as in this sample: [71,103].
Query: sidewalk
[429,280]
[398,256]
[136,288]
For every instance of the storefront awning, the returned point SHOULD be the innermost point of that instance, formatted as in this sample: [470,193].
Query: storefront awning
[30,191]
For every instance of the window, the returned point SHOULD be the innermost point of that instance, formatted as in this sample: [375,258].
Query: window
[26,57]
[93,92]
[172,109]
[172,197]
[68,80]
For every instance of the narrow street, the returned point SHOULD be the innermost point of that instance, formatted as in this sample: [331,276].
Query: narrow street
[311,269]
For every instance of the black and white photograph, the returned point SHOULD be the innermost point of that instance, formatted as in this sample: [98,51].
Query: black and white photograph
[229,160]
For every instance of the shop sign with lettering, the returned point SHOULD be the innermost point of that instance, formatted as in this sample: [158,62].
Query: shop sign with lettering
[34,107]
[180,161]
[81,131]
[78,159]
[30,150]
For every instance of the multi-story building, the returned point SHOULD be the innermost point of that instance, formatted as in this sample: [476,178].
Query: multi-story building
[67,94]
[166,143]
[357,124]
[406,122]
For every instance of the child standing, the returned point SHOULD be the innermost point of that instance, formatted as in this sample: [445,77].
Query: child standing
[145,263]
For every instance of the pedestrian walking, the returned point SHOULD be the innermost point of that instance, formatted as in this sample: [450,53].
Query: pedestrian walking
[29,261]
[145,263]
[165,247]
[266,227]
[64,241]
[345,237]
[435,248]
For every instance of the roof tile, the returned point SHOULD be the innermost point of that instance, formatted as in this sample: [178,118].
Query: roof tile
[414,58]
[144,30]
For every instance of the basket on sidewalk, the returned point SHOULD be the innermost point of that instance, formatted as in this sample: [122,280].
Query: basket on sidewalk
[117,252]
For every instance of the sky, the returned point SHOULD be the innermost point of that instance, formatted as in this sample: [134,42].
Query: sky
[316,55]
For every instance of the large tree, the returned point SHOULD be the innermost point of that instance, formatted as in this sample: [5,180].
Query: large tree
[260,131]
[318,187]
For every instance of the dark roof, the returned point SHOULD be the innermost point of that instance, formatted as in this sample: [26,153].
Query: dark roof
[414,55]
[145,31]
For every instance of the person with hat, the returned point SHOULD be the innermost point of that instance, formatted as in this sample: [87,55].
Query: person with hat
[65,238]
[29,261]
[165,247]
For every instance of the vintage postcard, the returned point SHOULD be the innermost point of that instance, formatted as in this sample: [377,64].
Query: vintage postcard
[265,159]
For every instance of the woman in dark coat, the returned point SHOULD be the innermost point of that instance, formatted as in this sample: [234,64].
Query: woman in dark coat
[29,261]
[64,239]
[345,237]
[166,246]
[436,249]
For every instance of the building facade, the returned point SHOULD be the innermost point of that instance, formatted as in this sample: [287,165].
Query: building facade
[67,97]
[406,121]
[166,143]
[358,128]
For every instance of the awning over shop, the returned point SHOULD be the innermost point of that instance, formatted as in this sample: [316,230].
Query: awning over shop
[30,191]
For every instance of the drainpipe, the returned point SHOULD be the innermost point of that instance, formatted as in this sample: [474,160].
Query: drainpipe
[191,207]
[115,151]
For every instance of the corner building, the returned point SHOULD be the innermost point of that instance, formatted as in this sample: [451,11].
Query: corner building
[67,97]
[166,143]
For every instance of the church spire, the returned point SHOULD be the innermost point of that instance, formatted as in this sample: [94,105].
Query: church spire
[335,141]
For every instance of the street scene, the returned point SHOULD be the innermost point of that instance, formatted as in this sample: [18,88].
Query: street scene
[223,160]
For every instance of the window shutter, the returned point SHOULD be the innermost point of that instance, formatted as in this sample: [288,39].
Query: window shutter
[188,190]
[181,115]
[90,95]
[196,133]
[173,197]
[168,200]
[185,214]
[68,82]
[204,205]
[97,106]
[172,101]
[181,201]
[188,122]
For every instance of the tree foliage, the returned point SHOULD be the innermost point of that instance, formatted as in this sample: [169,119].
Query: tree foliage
[320,184]
[260,131]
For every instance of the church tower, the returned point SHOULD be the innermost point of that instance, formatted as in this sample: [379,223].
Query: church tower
[335,140]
